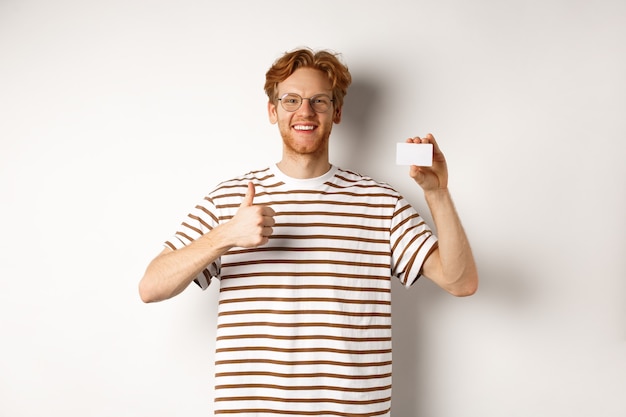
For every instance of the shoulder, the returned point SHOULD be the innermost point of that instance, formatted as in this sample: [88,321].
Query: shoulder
[347,178]
[256,176]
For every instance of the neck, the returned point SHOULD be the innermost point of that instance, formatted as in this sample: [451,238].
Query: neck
[303,167]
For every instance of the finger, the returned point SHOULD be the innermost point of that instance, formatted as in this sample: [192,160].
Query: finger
[249,197]
[429,138]
[268,211]
[437,153]
[268,221]
[416,173]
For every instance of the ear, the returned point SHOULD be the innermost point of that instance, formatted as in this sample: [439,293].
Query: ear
[271,112]
[337,116]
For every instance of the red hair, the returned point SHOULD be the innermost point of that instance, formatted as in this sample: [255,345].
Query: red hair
[325,61]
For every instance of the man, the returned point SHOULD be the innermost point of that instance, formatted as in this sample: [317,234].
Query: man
[304,252]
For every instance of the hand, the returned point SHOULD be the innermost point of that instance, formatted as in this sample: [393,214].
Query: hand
[252,224]
[430,178]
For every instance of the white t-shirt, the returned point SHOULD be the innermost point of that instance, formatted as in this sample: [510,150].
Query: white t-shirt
[304,322]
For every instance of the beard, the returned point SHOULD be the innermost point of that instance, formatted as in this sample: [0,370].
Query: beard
[295,144]
[311,147]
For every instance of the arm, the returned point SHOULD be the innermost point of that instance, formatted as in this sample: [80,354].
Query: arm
[451,265]
[173,270]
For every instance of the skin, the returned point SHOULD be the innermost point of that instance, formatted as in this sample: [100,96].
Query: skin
[451,265]
[305,152]
[305,155]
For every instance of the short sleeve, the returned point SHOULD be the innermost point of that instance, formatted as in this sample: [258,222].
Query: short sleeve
[411,240]
[202,219]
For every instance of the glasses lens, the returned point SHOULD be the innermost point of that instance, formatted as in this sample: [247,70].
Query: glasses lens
[291,102]
[320,103]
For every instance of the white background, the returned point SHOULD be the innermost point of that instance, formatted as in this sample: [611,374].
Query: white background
[117,116]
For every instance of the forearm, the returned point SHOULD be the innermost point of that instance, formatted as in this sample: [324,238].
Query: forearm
[173,270]
[455,267]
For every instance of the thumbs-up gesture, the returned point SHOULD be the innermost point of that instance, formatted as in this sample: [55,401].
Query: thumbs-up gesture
[252,224]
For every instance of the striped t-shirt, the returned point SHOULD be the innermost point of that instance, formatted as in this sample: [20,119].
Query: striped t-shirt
[304,322]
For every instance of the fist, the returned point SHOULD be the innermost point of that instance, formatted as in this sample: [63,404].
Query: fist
[430,178]
[252,224]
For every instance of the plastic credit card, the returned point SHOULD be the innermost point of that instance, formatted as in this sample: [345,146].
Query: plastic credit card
[420,154]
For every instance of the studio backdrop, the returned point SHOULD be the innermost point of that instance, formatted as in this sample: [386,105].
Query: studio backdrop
[116,117]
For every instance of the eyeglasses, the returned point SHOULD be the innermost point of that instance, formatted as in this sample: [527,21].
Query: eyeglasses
[320,103]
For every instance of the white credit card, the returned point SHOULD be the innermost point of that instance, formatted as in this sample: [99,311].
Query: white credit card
[420,154]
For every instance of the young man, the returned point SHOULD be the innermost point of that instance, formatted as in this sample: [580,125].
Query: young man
[305,252]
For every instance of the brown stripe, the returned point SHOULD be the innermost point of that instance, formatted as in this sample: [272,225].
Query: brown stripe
[303,363]
[184,236]
[195,229]
[305,299]
[204,209]
[304,287]
[309,337]
[408,219]
[304,375]
[331,237]
[344,215]
[415,251]
[306,262]
[310,312]
[304,400]
[319,324]
[306,274]
[424,232]
[305,203]
[302,413]
[304,350]
[401,209]
[334,225]
[199,220]
[303,388]
[332,213]
[296,249]
[312,192]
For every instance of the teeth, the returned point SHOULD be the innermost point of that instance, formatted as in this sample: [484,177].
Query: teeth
[303,127]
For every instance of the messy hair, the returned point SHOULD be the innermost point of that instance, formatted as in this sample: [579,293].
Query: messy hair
[325,61]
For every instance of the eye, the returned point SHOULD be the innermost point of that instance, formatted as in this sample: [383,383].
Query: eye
[325,100]
[291,99]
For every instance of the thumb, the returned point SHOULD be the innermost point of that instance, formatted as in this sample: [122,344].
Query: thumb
[249,197]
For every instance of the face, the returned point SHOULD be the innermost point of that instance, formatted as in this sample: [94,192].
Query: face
[304,131]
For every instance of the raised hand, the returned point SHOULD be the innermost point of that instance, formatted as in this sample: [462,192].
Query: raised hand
[434,177]
[252,224]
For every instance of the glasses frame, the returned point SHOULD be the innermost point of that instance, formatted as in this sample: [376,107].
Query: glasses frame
[312,104]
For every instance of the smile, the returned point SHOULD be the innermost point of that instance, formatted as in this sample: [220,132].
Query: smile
[302,127]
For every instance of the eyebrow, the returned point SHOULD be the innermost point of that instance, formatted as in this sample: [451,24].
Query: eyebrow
[330,94]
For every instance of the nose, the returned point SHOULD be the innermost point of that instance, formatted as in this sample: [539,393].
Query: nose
[306,107]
